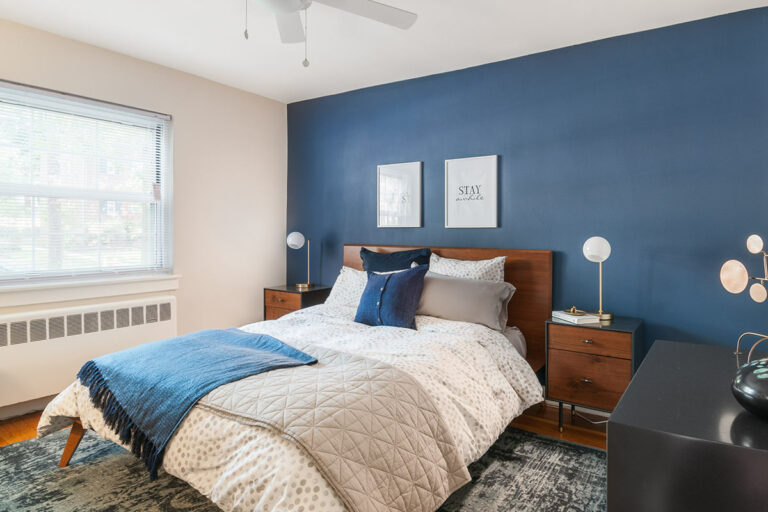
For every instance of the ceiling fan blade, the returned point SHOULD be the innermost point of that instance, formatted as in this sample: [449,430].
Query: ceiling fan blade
[290,26]
[285,5]
[375,11]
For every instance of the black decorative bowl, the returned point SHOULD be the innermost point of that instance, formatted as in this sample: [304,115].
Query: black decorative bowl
[750,387]
[748,430]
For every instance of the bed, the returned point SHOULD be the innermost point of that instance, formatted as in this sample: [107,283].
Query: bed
[231,447]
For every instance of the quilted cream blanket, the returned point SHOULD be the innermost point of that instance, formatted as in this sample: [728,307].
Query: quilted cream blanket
[372,429]
[390,422]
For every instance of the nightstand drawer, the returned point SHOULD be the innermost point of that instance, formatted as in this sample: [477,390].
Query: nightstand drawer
[271,313]
[585,379]
[284,300]
[590,341]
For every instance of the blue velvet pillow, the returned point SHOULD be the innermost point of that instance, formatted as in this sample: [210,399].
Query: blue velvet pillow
[388,262]
[392,299]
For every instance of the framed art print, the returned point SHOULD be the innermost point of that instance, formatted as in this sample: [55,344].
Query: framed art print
[398,187]
[471,192]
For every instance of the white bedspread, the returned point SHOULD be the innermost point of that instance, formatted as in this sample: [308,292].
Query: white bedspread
[478,381]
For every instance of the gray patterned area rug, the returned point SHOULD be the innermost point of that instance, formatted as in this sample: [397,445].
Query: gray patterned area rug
[521,472]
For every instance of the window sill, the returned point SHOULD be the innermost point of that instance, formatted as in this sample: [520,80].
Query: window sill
[64,291]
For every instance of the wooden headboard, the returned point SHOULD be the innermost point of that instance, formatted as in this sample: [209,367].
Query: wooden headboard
[529,271]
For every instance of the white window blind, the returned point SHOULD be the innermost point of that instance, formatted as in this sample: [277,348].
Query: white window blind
[85,187]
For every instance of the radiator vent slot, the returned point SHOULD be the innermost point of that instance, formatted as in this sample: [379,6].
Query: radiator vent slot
[137,315]
[37,330]
[165,311]
[56,327]
[40,329]
[18,332]
[107,320]
[74,325]
[122,317]
[90,322]
[152,313]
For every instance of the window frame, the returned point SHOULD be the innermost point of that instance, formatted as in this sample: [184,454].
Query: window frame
[90,284]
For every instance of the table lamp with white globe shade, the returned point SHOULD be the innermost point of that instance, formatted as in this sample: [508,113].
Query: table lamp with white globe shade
[296,240]
[597,249]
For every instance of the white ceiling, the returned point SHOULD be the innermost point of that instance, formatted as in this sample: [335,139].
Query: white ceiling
[205,37]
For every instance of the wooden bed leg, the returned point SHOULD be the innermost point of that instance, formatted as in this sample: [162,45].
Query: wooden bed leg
[75,436]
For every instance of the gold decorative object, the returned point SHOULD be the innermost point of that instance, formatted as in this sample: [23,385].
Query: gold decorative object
[597,249]
[296,240]
[738,352]
[734,276]
[574,311]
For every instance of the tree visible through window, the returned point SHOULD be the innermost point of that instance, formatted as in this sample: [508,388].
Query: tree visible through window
[84,187]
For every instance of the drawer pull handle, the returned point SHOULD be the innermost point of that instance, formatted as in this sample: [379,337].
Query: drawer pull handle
[278,299]
[586,381]
[588,342]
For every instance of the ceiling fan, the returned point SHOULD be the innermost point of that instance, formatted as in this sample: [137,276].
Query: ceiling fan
[292,30]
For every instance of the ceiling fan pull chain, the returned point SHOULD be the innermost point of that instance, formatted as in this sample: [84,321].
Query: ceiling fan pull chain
[246,20]
[306,38]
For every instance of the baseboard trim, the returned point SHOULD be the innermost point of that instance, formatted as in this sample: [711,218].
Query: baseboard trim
[594,412]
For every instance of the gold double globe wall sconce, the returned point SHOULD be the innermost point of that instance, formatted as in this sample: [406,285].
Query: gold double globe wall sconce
[750,383]
[735,278]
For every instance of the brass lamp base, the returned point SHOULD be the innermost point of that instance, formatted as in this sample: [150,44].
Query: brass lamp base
[302,287]
[602,315]
[607,317]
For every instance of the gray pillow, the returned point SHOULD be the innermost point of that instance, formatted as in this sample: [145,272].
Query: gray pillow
[489,270]
[466,300]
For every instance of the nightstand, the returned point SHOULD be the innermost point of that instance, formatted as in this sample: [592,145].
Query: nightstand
[283,299]
[591,365]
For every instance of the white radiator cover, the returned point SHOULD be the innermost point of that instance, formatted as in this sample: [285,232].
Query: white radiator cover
[42,351]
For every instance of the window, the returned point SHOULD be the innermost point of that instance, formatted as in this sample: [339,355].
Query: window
[85,187]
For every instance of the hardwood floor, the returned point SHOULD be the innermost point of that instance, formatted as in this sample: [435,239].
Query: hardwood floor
[19,428]
[541,419]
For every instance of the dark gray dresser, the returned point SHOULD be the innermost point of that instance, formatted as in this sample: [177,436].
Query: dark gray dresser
[679,441]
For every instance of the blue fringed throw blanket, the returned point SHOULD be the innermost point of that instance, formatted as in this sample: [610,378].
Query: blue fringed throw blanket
[145,392]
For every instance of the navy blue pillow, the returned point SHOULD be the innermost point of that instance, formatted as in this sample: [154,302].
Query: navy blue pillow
[392,299]
[387,262]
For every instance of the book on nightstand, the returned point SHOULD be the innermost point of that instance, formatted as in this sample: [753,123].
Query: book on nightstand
[583,318]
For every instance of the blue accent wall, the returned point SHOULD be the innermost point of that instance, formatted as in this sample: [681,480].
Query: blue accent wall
[657,141]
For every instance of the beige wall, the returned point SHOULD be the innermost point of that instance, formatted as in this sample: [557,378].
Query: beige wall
[229,149]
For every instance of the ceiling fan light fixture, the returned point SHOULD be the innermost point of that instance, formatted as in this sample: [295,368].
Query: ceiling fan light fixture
[305,62]
[288,16]
[286,5]
[245,32]
[289,21]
